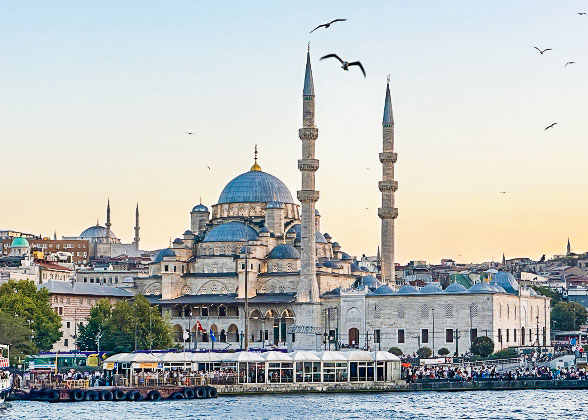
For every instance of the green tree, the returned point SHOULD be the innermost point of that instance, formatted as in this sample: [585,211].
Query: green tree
[99,315]
[443,351]
[546,291]
[482,346]
[424,352]
[395,351]
[23,300]
[567,316]
[16,333]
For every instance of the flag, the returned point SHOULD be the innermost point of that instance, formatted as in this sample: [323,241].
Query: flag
[212,337]
[199,326]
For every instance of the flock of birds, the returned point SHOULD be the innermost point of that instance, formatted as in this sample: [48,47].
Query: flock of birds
[543,51]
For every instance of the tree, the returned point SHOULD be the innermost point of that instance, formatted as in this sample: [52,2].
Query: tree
[16,333]
[546,291]
[443,351]
[424,352]
[567,316]
[395,351]
[99,314]
[482,346]
[23,300]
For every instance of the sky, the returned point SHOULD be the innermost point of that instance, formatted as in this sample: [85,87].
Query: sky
[96,98]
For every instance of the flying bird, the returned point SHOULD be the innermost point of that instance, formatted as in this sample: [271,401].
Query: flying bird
[502,192]
[549,126]
[542,51]
[345,64]
[188,132]
[326,25]
[581,13]
[570,62]
[208,167]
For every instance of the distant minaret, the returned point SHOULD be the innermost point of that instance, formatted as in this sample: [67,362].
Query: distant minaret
[503,260]
[108,224]
[569,248]
[388,187]
[54,235]
[137,227]
[308,290]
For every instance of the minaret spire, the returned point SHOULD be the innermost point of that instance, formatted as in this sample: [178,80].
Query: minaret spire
[569,247]
[108,224]
[308,290]
[388,186]
[255,166]
[137,228]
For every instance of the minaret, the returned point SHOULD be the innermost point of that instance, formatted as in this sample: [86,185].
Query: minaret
[137,227]
[108,224]
[388,187]
[308,290]
[569,247]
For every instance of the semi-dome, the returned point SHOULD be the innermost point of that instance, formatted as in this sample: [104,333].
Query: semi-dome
[384,290]
[255,187]
[168,252]
[345,256]
[431,288]
[297,228]
[368,281]
[231,232]
[97,232]
[505,280]
[199,208]
[19,242]
[284,251]
[407,289]
[354,267]
[455,288]
[481,288]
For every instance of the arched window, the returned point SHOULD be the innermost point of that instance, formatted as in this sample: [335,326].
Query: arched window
[187,290]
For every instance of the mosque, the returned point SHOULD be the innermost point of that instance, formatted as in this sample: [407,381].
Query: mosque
[258,242]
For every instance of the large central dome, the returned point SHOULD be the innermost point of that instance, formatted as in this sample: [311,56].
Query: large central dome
[255,186]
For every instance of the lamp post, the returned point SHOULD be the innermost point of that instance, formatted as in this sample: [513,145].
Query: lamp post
[246,344]
[433,311]
[190,330]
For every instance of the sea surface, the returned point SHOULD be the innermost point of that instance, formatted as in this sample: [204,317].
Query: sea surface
[527,404]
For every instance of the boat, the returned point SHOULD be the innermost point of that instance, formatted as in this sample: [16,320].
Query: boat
[5,377]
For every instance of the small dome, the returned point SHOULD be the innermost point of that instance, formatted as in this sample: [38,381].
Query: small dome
[331,264]
[319,238]
[231,232]
[200,208]
[505,280]
[431,288]
[168,252]
[369,281]
[364,269]
[178,241]
[284,251]
[255,186]
[327,236]
[19,242]
[345,256]
[316,212]
[407,289]
[336,245]
[188,232]
[532,292]
[455,288]
[354,267]
[97,232]
[481,288]
[500,289]
[264,230]
[384,290]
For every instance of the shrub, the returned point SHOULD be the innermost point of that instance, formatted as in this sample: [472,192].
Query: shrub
[482,346]
[424,352]
[443,351]
[395,351]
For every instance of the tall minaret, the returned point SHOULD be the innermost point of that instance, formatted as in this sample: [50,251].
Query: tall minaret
[569,247]
[108,224]
[137,227]
[308,290]
[388,187]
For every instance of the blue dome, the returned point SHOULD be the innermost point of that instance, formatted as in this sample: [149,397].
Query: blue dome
[188,232]
[407,289]
[331,264]
[284,251]
[97,232]
[255,187]
[168,252]
[231,232]
[336,244]
[178,241]
[431,288]
[455,288]
[369,281]
[345,256]
[481,288]
[364,269]
[319,238]
[384,290]
[505,280]
[355,267]
[316,212]
[264,229]
[19,242]
[533,292]
[199,208]
[327,235]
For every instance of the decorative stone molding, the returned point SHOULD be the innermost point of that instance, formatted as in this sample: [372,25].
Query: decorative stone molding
[308,165]
[388,186]
[388,157]
[308,196]
[387,213]
[308,133]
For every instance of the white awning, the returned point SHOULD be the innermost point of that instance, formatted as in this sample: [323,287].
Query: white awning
[276,356]
[170,357]
[207,357]
[243,356]
[304,356]
[359,356]
[138,358]
[331,356]
[384,356]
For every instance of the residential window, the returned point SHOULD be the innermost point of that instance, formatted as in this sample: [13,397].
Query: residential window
[400,336]
[68,324]
[66,342]
[514,335]
[166,268]
[507,335]
[424,336]
[204,311]
[449,335]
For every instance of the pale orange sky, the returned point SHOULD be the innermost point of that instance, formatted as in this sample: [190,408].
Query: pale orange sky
[99,98]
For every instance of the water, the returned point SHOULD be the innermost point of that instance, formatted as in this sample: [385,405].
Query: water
[528,404]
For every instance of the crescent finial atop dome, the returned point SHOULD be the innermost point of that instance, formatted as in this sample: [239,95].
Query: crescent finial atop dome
[255,166]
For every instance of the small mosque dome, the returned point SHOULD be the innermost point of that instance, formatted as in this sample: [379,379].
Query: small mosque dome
[345,256]
[188,232]
[316,212]
[407,289]
[327,236]
[368,281]
[336,245]
[364,269]
[431,288]
[231,232]
[354,267]
[284,251]
[481,288]
[264,230]
[200,208]
[19,242]
[384,290]
[97,232]
[178,241]
[532,292]
[319,238]
[331,264]
[168,252]
[455,288]
[505,280]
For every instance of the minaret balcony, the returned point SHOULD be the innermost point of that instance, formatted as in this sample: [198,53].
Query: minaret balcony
[388,157]
[388,186]
[308,196]
[310,165]
[308,133]
[387,213]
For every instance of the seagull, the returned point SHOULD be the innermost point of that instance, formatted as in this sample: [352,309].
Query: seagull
[326,25]
[345,64]
[581,13]
[208,167]
[570,62]
[549,126]
[502,192]
[188,132]
[542,51]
